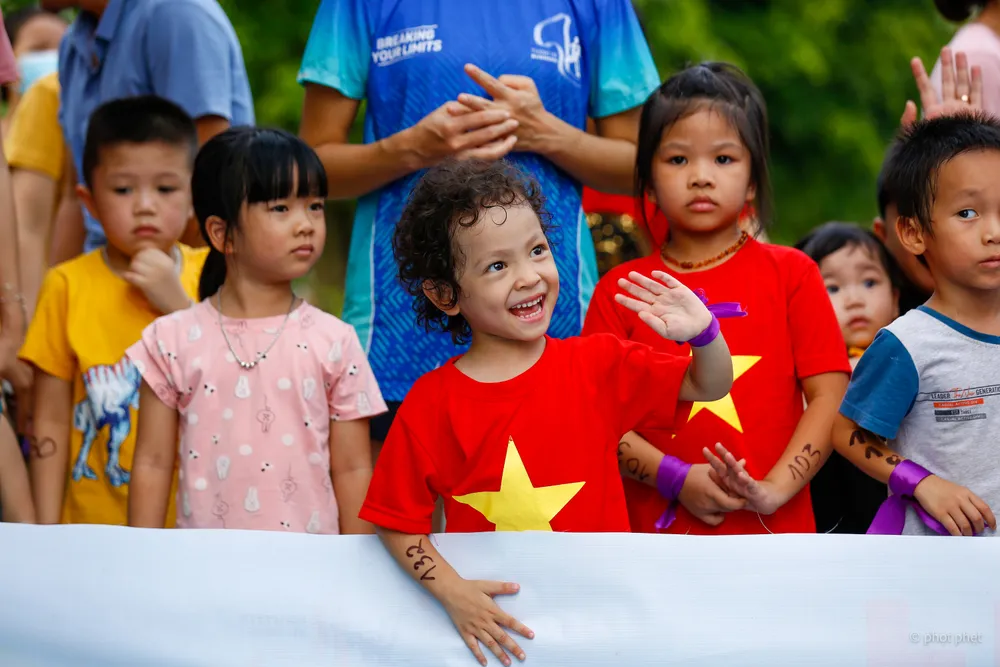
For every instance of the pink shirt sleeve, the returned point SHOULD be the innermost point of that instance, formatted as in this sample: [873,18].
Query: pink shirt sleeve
[351,387]
[157,366]
[8,65]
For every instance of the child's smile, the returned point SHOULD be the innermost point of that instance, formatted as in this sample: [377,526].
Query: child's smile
[508,279]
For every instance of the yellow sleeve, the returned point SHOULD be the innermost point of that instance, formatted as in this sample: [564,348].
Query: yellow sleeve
[34,139]
[46,345]
[194,260]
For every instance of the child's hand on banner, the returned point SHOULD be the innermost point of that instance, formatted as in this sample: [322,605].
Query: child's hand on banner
[478,618]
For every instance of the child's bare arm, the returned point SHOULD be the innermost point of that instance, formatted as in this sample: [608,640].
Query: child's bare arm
[15,492]
[153,463]
[710,375]
[470,604]
[351,472]
[807,451]
[49,456]
[955,507]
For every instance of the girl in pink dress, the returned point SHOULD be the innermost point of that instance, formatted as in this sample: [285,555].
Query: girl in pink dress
[264,398]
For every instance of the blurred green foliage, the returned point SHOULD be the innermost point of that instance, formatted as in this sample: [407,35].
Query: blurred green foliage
[835,74]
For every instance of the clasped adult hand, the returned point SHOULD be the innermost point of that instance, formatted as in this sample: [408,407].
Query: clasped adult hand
[518,95]
[462,132]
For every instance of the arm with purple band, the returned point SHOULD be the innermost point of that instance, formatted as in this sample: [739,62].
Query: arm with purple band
[672,472]
[891,516]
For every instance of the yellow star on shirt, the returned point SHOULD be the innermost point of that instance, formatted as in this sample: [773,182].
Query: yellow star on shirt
[724,408]
[518,505]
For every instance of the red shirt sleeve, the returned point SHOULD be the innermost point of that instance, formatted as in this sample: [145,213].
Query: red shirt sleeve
[8,65]
[604,315]
[817,343]
[400,496]
[643,384]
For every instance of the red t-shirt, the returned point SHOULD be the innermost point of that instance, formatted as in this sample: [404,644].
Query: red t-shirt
[790,333]
[536,452]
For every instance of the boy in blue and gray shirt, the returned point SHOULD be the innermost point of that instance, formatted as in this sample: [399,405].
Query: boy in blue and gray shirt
[922,411]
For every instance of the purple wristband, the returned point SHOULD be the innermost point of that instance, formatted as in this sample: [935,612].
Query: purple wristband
[723,309]
[891,516]
[670,478]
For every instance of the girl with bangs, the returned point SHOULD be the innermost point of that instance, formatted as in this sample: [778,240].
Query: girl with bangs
[702,157]
[266,398]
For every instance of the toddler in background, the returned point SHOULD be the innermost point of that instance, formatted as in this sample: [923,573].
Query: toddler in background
[860,277]
[863,282]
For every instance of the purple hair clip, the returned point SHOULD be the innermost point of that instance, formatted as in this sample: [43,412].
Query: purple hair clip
[718,310]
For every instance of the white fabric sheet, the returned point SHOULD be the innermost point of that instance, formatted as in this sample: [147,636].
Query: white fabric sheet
[107,596]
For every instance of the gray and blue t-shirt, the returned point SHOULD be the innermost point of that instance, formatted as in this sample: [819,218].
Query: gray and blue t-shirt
[931,387]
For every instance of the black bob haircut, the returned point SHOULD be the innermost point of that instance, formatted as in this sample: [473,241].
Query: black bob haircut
[136,120]
[721,87]
[921,150]
[451,195]
[830,237]
[248,165]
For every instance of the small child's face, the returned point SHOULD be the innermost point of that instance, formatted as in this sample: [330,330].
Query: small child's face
[861,293]
[141,195]
[508,280]
[964,248]
[281,240]
[701,173]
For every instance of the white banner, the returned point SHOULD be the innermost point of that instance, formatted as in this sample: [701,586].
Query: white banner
[106,596]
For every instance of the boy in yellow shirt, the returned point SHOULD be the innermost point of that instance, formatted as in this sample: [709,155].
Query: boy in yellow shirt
[137,171]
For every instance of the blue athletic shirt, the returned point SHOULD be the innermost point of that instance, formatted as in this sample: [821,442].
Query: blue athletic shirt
[587,58]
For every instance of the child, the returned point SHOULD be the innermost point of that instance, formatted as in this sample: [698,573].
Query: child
[861,279]
[863,283]
[268,396]
[916,283]
[702,154]
[923,408]
[519,432]
[137,169]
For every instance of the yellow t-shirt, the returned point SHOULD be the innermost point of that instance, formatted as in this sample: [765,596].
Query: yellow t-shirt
[87,317]
[34,139]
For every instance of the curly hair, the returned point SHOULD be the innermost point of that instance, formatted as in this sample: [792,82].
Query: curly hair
[448,196]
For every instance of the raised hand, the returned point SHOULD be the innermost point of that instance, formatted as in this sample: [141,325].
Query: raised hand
[478,618]
[666,305]
[961,88]
[517,95]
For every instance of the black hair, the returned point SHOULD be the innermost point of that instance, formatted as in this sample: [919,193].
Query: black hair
[451,195]
[959,10]
[882,196]
[724,88]
[248,165]
[14,21]
[830,237]
[136,120]
[921,150]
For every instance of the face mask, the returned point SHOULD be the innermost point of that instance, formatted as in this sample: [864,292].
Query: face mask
[34,65]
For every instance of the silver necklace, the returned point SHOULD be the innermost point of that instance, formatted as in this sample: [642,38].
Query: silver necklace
[247,365]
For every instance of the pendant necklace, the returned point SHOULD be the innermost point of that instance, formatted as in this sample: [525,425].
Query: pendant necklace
[247,365]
